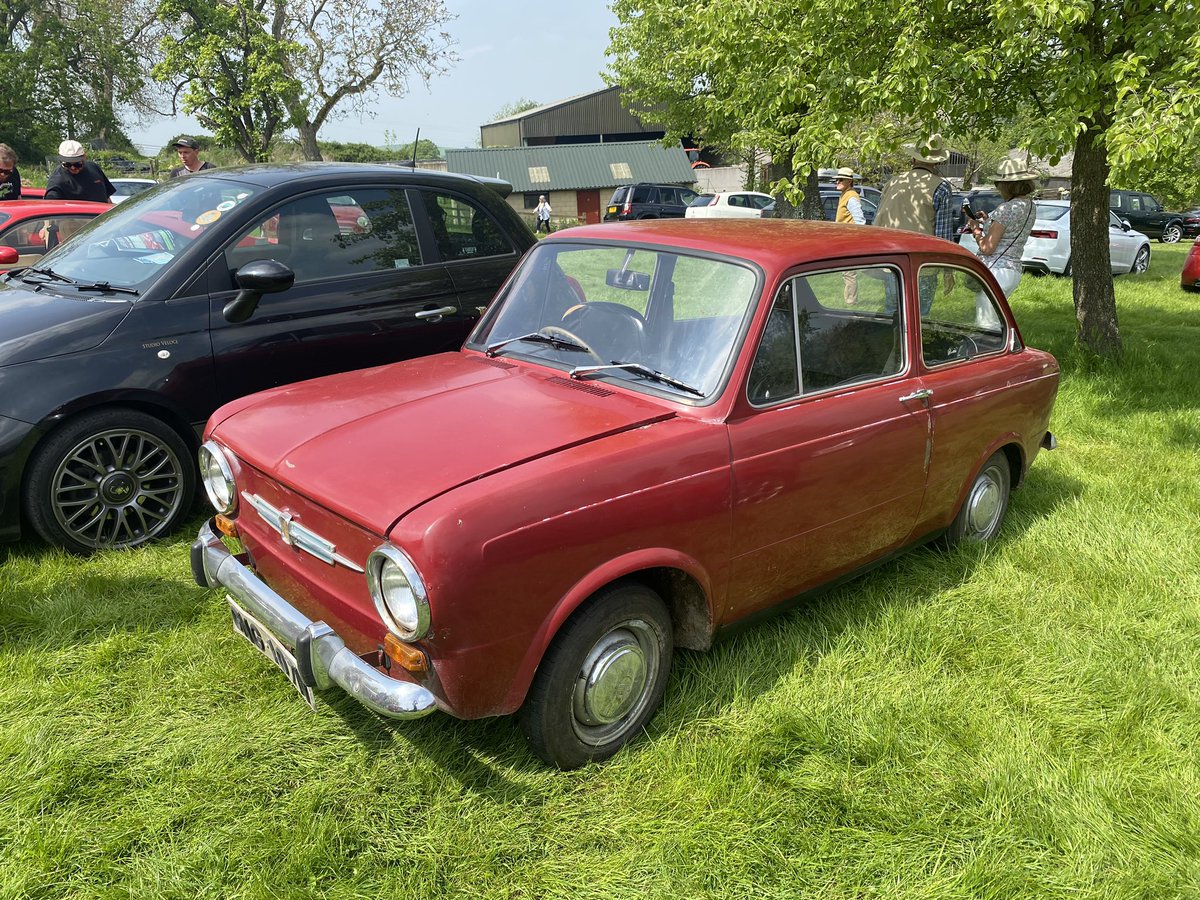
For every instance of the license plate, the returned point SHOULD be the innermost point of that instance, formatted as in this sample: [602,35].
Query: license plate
[266,643]
[612,210]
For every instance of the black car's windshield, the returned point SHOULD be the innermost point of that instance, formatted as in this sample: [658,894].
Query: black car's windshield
[132,243]
[667,320]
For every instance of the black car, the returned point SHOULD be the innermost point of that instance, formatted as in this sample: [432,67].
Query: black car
[829,205]
[648,201]
[1189,223]
[1147,215]
[118,344]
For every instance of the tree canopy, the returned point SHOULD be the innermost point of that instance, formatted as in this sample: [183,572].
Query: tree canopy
[1115,81]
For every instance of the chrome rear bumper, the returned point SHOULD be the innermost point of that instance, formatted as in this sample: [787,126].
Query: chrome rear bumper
[323,657]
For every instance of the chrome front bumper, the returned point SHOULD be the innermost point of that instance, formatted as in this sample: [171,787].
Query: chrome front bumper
[323,657]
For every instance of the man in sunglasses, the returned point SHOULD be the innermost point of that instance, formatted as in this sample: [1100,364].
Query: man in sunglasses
[76,178]
[10,178]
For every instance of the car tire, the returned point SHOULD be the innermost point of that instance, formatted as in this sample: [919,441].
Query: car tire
[602,678]
[982,511]
[112,478]
[1141,262]
[1172,233]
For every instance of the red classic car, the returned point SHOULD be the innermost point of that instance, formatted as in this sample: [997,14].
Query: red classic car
[1189,278]
[28,228]
[656,431]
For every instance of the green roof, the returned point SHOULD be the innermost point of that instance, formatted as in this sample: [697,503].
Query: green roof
[566,167]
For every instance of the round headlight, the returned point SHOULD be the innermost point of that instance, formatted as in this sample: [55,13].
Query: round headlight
[398,593]
[217,475]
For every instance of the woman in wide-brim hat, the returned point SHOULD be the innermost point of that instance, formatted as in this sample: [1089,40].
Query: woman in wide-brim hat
[1002,237]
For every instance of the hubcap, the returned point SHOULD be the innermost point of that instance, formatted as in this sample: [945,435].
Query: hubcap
[613,685]
[117,489]
[984,503]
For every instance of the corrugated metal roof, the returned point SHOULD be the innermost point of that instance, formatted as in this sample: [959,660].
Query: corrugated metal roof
[524,114]
[565,167]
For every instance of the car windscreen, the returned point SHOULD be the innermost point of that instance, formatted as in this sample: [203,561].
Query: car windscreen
[662,320]
[132,243]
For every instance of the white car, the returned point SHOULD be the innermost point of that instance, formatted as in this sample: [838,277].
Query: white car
[728,205]
[1049,246]
[127,187]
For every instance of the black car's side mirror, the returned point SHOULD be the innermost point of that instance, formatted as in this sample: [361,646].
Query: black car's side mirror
[255,278]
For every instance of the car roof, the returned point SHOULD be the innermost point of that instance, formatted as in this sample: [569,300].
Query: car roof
[31,209]
[1052,202]
[269,175]
[772,243]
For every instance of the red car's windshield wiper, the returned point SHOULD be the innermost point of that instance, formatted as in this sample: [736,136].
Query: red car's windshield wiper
[537,337]
[638,369]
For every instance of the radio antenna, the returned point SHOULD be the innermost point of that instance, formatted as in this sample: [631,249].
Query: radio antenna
[416,141]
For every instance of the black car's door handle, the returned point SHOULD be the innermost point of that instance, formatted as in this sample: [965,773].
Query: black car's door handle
[436,314]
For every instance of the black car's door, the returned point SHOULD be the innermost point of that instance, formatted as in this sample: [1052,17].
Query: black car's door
[475,249]
[365,294]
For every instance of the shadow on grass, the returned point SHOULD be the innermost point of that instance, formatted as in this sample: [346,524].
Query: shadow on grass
[477,754]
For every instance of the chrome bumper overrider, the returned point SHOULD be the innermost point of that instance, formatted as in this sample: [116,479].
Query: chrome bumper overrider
[322,656]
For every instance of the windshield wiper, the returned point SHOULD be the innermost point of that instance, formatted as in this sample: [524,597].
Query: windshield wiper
[105,286]
[638,369]
[538,337]
[49,273]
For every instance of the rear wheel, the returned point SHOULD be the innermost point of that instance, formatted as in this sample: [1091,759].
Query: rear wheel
[1141,262]
[983,510]
[110,478]
[1172,233]
[602,678]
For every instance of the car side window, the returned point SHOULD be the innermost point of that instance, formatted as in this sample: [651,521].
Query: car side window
[1135,203]
[737,200]
[644,194]
[1114,200]
[39,235]
[827,330]
[962,319]
[761,202]
[1114,222]
[686,196]
[461,229]
[1150,204]
[333,235]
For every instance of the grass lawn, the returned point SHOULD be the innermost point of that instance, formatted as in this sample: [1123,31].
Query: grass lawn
[1021,720]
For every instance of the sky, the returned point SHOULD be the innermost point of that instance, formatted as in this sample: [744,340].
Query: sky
[509,50]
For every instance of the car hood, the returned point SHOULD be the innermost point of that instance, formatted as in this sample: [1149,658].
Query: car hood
[375,444]
[38,324]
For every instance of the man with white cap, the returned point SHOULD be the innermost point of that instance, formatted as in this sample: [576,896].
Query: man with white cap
[76,178]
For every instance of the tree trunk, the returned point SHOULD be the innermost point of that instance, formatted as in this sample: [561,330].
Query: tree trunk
[308,141]
[1092,283]
[781,170]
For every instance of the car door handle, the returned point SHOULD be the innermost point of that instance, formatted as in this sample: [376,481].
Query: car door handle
[436,313]
[922,394]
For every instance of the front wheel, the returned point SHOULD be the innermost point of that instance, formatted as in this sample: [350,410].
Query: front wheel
[1172,233]
[986,502]
[113,478]
[1141,262]
[602,678]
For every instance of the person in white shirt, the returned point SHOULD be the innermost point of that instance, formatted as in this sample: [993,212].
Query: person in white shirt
[543,215]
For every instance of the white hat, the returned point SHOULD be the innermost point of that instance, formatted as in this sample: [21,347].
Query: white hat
[932,151]
[845,172]
[71,151]
[1011,170]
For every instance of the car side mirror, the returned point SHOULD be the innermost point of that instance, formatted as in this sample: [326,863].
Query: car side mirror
[1125,225]
[9,256]
[255,278]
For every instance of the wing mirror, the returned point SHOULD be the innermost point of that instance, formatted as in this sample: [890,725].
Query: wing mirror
[255,278]
[1125,225]
[9,256]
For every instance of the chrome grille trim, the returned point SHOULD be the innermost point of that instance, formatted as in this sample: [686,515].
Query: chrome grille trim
[296,535]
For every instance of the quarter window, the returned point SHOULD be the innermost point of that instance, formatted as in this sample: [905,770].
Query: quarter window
[962,319]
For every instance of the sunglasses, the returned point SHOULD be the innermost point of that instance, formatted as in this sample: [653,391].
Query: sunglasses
[4,171]
[75,165]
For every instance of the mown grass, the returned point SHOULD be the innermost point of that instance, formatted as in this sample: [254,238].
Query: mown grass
[1013,721]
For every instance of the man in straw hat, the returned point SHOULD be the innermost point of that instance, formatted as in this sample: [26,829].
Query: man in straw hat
[921,200]
[849,211]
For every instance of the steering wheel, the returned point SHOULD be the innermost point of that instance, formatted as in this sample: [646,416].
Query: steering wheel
[967,349]
[612,324]
[556,331]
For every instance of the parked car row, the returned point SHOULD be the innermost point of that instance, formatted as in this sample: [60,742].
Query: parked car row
[1048,249]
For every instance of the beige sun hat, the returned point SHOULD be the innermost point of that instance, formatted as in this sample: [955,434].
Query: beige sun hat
[1011,170]
[931,151]
[845,172]
[71,151]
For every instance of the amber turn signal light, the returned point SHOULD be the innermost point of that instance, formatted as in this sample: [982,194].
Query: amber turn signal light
[226,526]
[408,656]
